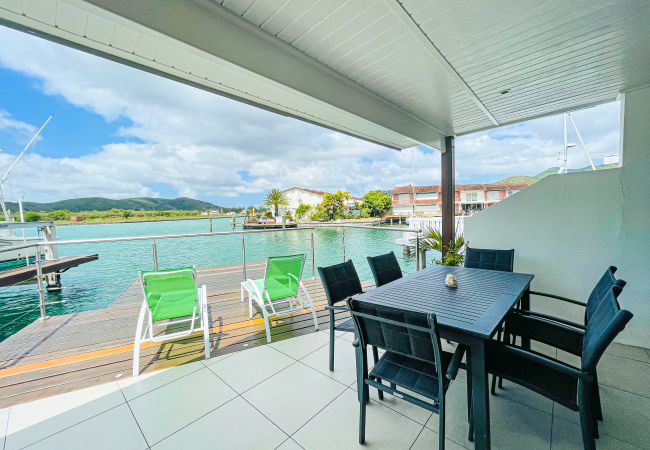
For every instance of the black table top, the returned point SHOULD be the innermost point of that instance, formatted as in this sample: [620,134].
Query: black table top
[477,306]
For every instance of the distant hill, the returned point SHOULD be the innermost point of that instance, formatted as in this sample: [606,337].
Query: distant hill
[105,204]
[525,179]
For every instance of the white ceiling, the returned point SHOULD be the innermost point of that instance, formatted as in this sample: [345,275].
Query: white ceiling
[400,73]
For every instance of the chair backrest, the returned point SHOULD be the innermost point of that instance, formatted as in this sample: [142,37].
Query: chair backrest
[606,322]
[385,268]
[170,293]
[484,258]
[396,330]
[602,288]
[282,275]
[340,281]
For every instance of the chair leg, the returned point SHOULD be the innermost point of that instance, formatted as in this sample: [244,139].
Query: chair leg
[375,357]
[441,428]
[597,404]
[332,339]
[267,327]
[470,414]
[362,414]
[587,420]
[136,357]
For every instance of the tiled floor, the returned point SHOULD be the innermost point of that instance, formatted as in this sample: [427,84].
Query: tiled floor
[282,396]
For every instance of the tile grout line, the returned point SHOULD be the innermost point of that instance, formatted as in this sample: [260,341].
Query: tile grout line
[550,443]
[134,418]
[317,413]
[70,426]
[253,406]
[162,385]
[287,440]
[417,437]
[4,442]
[196,420]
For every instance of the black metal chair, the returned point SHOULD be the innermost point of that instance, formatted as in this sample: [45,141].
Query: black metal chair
[558,332]
[483,258]
[574,388]
[340,282]
[413,362]
[385,268]
[491,259]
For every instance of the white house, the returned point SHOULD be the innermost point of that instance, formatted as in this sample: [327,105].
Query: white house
[299,196]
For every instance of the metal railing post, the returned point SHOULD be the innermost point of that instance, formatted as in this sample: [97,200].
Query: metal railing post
[313,257]
[243,256]
[154,254]
[39,284]
[417,252]
[343,241]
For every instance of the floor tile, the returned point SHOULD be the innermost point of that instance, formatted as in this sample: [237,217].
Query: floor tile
[413,412]
[289,444]
[428,440]
[615,371]
[250,367]
[337,333]
[301,346]
[113,429]
[4,417]
[626,416]
[520,394]
[33,421]
[513,425]
[345,366]
[627,351]
[235,425]
[135,386]
[385,429]
[163,411]
[216,359]
[567,435]
[293,396]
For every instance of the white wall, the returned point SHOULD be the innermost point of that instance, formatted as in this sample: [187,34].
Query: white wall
[567,229]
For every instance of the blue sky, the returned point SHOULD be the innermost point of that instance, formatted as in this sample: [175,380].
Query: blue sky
[119,132]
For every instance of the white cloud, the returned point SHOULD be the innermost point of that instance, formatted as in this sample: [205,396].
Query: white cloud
[214,148]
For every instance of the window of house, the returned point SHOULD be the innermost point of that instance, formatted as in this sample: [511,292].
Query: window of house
[471,196]
[403,197]
[427,196]
[494,195]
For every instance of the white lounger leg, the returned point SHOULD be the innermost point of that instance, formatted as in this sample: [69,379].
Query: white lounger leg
[138,338]
[311,304]
[205,320]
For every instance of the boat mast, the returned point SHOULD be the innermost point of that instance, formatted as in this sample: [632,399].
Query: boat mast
[13,164]
[565,155]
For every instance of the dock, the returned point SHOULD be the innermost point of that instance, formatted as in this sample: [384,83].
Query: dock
[73,351]
[25,273]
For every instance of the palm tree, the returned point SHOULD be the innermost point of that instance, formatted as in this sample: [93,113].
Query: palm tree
[432,240]
[274,199]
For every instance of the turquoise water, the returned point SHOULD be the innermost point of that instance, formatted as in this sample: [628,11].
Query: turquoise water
[95,285]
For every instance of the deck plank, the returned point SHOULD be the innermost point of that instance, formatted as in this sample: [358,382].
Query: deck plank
[82,349]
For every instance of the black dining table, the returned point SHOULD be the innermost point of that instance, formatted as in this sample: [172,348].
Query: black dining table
[469,314]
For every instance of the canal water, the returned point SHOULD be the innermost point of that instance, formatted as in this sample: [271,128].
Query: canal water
[95,285]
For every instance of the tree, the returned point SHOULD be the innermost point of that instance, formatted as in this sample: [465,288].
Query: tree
[302,210]
[32,216]
[332,207]
[126,214]
[376,203]
[274,199]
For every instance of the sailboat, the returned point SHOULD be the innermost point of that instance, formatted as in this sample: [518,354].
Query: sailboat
[12,246]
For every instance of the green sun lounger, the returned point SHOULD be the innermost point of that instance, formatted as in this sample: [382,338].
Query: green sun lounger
[281,291]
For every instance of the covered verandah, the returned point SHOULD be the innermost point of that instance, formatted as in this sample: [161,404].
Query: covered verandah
[406,73]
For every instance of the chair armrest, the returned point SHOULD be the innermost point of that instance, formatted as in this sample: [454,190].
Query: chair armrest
[456,361]
[545,361]
[547,317]
[547,331]
[558,297]
[337,308]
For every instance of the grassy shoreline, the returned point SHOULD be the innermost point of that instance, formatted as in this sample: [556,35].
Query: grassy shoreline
[106,221]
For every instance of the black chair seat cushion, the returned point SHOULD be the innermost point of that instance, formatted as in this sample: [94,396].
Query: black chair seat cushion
[413,374]
[557,386]
[347,325]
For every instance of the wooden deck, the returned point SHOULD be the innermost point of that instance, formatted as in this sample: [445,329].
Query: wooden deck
[72,351]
